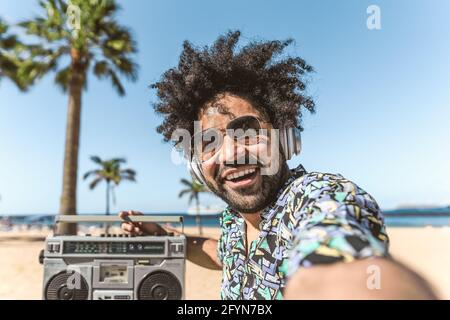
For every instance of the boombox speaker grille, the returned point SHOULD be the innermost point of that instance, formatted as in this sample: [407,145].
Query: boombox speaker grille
[160,285]
[63,287]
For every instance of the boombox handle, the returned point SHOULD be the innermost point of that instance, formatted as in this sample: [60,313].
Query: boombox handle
[106,218]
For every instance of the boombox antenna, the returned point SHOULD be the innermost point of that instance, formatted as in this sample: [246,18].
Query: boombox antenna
[106,218]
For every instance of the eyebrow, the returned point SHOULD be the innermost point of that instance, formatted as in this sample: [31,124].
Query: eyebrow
[215,127]
[232,117]
[219,109]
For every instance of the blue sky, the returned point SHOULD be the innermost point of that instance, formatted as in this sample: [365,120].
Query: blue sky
[383,102]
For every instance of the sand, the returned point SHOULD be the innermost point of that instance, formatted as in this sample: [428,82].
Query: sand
[427,250]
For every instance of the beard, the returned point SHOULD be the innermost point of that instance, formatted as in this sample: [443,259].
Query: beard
[255,198]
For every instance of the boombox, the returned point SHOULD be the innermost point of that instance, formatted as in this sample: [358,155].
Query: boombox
[114,267]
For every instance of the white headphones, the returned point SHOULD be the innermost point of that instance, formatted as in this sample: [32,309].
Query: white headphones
[290,140]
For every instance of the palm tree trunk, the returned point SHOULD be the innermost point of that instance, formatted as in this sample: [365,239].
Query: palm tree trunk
[68,205]
[107,206]
[107,197]
[198,217]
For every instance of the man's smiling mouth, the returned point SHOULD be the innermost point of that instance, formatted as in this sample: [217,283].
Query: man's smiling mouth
[241,177]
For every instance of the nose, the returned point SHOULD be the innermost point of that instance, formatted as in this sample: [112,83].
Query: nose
[231,151]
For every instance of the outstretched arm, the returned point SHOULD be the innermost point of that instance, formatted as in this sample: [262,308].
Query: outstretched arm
[340,247]
[373,278]
[203,252]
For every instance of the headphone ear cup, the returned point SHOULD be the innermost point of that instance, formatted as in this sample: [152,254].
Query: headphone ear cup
[297,141]
[283,142]
[291,142]
[196,171]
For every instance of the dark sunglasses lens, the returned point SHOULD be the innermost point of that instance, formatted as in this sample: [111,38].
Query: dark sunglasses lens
[244,123]
[245,130]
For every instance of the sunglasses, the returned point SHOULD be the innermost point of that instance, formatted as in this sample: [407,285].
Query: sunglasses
[244,130]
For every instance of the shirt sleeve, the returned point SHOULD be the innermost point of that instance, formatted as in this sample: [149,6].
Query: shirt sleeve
[336,221]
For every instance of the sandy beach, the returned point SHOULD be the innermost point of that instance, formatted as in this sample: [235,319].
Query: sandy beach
[427,250]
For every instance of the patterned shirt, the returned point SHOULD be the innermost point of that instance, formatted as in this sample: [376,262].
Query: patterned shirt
[317,218]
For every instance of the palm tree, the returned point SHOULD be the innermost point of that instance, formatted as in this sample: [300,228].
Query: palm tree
[85,33]
[193,190]
[12,58]
[110,172]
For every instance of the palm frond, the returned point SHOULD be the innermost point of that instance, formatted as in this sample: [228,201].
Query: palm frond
[109,170]
[101,43]
[129,178]
[62,78]
[116,83]
[186,182]
[102,69]
[95,182]
[128,172]
[96,159]
[90,173]
[119,160]
[183,192]
[12,62]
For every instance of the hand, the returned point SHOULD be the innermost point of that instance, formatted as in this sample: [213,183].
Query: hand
[140,228]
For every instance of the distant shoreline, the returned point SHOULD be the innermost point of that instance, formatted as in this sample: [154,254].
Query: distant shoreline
[408,217]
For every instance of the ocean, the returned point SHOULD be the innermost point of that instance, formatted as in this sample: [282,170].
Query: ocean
[435,217]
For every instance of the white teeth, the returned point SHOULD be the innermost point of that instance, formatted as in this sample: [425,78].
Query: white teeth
[240,173]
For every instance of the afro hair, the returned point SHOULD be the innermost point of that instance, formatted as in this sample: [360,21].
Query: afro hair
[274,86]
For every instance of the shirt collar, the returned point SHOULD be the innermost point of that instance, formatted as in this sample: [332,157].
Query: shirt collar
[295,174]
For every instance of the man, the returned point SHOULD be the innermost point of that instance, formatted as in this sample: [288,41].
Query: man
[286,233]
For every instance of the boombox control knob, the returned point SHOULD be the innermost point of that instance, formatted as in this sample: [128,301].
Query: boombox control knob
[65,294]
[160,292]
[41,257]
